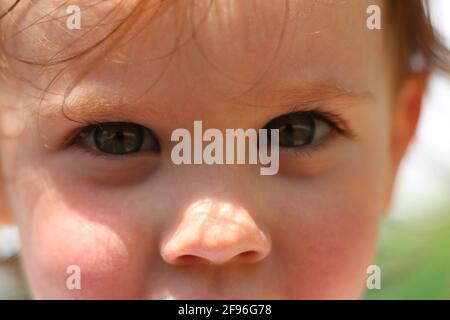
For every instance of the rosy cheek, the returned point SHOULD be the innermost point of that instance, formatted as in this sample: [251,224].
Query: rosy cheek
[327,254]
[329,233]
[59,237]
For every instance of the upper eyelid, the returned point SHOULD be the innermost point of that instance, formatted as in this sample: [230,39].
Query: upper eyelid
[331,118]
[334,118]
[76,135]
[86,131]
[308,151]
[88,126]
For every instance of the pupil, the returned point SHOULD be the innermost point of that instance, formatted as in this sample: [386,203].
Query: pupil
[289,129]
[119,135]
[119,138]
[296,129]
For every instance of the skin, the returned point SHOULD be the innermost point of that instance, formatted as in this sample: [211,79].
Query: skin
[141,227]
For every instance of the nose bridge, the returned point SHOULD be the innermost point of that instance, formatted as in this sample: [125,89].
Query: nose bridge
[216,232]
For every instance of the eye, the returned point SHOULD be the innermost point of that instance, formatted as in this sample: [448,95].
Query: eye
[118,138]
[300,129]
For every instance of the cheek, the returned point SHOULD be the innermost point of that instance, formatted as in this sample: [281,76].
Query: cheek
[57,237]
[328,235]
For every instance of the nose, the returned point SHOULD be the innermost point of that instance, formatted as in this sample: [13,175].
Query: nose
[215,232]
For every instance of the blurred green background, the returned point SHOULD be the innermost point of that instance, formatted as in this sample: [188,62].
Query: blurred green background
[414,248]
[414,257]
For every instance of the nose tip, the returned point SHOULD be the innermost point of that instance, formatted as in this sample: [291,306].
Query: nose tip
[216,233]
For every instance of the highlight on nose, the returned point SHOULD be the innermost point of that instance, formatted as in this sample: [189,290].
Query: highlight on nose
[215,232]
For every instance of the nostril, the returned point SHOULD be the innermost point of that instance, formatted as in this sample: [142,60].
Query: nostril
[243,257]
[249,256]
[190,259]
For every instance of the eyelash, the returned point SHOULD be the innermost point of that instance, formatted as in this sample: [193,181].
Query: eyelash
[75,139]
[334,120]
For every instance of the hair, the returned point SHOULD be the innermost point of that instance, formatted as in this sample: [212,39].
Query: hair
[416,36]
[413,35]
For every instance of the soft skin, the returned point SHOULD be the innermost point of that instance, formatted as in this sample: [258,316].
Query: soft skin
[140,226]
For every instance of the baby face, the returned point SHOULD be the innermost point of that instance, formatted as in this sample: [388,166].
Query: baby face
[88,170]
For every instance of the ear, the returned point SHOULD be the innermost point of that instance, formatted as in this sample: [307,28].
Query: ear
[405,116]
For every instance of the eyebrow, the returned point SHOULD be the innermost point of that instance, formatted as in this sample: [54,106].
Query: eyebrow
[310,94]
[102,104]
[99,105]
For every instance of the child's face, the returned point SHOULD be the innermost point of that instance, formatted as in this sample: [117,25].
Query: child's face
[139,226]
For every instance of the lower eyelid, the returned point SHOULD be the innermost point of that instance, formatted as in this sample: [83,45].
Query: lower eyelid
[307,151]
[98,155]
[310,150]
[91,152]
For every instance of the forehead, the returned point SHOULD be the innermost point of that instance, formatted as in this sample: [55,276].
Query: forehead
[229,44]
